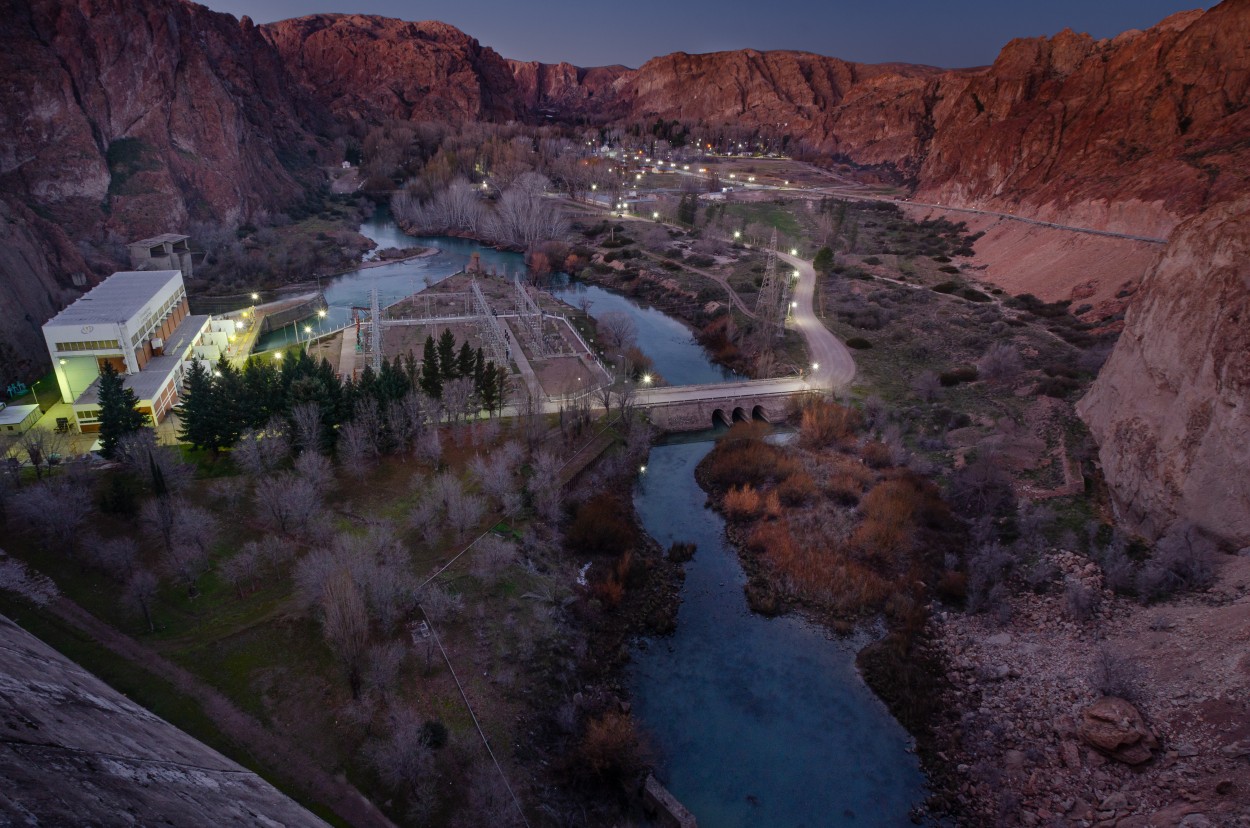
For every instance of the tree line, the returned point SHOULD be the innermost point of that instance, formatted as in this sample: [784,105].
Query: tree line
[305,397]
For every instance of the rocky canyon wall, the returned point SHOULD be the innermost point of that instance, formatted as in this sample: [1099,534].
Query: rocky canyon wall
[120,120]
[1171,408]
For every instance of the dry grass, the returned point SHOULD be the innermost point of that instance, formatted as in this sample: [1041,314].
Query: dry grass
[825,423]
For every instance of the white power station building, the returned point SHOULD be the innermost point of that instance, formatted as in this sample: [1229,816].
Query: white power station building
[140,322]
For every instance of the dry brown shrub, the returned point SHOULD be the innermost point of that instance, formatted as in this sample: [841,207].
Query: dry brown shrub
[817,571]
[609,591]
[772,505]
[611,748]
[824,423]
[797,489]
[876,454]
[742,458]
[743,503]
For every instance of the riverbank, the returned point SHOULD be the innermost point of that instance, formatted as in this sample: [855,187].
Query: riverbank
[829,528]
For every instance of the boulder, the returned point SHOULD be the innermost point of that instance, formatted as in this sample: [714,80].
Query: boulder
[1116,729]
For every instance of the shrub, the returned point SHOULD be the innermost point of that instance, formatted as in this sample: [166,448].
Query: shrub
[974,295]
[1001,363]
[872,260]
[953,377]
[824,422]
[611,749]
[859,343]
[1181,561]
[877,454]
[1115,674]
[948,268]
[946,287]
[1057,387]
[741,458]
[1079,601]
[600,528]
[742,503]
[952,587]
[797,489]
[680,552]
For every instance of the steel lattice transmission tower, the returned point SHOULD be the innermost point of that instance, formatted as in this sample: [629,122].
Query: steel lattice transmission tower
[770,307]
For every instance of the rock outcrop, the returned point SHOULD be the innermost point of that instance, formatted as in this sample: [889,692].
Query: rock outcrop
[74,751]
[1116,729]
[120,120]
[368,68]
[1171,409]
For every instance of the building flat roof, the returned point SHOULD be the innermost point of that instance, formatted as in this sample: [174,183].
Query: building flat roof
[116,299]
[14,414]
[155,240]
[147,383]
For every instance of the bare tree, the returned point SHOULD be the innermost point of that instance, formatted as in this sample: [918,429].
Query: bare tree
[306,418]
[241,570]
[385,661]
[287,503]
[464,511]
[316,470]
[357,449]
[139,594]
[458,398]
[43,448]
[259,451]
[491,558]
[404,761]
[115,557]
[617,330]
[345,624]
[56,509]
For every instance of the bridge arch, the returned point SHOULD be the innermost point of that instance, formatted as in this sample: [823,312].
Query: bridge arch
[720,418]
[758,413]
[740,415]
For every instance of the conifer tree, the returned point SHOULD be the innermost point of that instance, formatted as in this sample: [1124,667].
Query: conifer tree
[431,375]
[195,409]
[447,354]
[465,361]
[119,413]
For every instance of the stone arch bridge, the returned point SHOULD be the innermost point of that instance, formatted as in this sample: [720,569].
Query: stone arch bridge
[696,407]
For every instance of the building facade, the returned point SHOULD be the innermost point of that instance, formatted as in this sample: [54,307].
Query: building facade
[140,323]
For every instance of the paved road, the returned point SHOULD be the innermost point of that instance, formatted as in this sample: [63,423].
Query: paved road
[836,366]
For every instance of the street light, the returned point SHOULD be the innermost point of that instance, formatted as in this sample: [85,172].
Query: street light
[255,297]
[794,251]
[737,234]
[815,366]
[646,378]
[321,314]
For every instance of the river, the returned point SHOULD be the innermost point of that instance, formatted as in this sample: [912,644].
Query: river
[666,340]
[756,721]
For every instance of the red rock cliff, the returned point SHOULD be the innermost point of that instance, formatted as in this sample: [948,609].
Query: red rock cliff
[368,68]
[120,120]
[1171,409]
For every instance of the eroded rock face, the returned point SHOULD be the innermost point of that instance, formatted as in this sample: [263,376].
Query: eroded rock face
[1171,408]
[368,68]
[1114,728]
[119,120]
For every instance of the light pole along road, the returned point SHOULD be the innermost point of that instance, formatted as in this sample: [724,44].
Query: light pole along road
[834,367]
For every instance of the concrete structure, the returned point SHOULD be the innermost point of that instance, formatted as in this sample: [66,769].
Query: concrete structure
[138,322]
[696,407]
[14,419]
[74,751]
[168,251]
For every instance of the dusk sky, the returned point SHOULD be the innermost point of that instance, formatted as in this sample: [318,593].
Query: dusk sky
[954,33]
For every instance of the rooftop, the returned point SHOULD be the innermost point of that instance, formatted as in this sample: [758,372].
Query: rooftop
[116,299]
[14,414]
[147,383]
[161,239]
